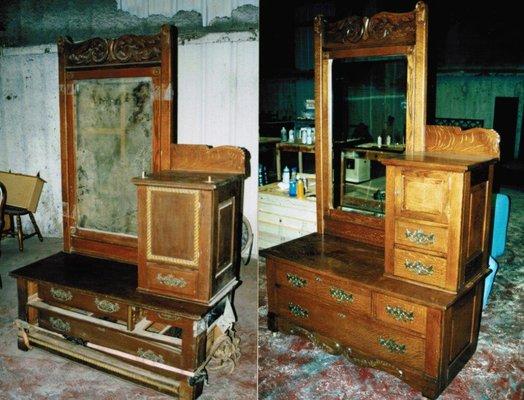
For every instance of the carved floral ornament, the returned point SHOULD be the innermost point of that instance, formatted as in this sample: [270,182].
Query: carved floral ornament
[124,49]
[382,29]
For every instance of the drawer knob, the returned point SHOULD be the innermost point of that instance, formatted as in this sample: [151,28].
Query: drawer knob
[418,268]
[61,294]
[298,311]
[400,314]
[106,306]
[59,324]
[419,237]
[150,355]
[296,280]
[170,280]
[340,295]
[392,346]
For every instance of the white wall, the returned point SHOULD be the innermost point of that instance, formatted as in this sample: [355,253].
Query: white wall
[217,104]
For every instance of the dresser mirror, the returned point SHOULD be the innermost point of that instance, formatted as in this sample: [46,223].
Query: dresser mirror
[116,108]
[368,118]
[370,93]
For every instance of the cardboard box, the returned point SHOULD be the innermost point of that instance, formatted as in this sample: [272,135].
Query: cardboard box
[22,190]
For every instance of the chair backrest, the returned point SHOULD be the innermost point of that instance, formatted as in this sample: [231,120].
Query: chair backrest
[500,225]
[3,200]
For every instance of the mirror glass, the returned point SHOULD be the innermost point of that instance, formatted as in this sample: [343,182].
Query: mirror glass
[368,119]
[114,127]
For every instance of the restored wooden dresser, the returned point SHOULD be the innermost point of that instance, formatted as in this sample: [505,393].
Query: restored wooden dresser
[88,309]
[188,239]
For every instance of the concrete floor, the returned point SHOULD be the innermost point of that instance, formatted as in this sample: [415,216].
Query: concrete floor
[39,375]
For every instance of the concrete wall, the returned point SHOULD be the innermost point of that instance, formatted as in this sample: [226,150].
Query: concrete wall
[217,104]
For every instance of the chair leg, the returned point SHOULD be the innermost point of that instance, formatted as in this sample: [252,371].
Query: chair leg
[20,233]
[37,229]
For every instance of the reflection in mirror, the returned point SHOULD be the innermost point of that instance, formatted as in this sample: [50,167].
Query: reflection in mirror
[368,119]
[114,127]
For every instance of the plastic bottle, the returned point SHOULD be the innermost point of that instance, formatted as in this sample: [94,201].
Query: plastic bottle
[283,135]
[293,188]
[379,141]
[285,175]
[388,140]
[300,188]
[291,137]
[293,174]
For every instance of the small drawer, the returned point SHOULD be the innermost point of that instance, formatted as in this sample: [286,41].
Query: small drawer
[170,281]
[107,337]
[400,312]
[420,267]
[395,346]
[98,305]
[420,235]
[329,289]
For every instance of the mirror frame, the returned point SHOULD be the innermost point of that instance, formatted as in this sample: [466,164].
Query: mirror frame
[152,56]
[384,34]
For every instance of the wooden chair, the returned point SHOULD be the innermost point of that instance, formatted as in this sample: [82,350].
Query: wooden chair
[3,199]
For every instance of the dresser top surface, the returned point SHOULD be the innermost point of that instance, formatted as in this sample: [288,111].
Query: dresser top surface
[104,277]
[356,262]
[188,179]
[435,160]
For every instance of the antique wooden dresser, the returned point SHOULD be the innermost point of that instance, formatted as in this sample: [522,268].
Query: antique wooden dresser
[396,286]
[116,102]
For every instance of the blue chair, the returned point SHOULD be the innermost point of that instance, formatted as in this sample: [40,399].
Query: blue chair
[498,241]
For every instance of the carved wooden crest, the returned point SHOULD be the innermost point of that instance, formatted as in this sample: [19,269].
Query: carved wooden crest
[383,29]
[124,49]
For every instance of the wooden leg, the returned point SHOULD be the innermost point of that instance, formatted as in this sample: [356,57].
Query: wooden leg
[37,229]
[300,163]
[279,166]
[20,233]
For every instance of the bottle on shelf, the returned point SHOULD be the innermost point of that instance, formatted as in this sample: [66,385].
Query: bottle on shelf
[283,135]
[291,137]
[293,174]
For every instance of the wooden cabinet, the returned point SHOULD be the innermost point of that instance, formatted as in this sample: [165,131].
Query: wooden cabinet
[437,219]
[188,241]
[334,293]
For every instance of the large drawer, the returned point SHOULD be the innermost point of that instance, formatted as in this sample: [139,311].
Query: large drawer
[358,332]
[104,336]
[420,267]
[421,235]
[97,304]
[400,313]
[334,291]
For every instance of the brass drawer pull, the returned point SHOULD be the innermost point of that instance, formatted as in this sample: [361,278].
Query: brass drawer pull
[106,306]
[400,314]
[340,295]
[61,294]
[170,280]
[392,346]
[296,281]
[298,311]
[150,355]
[419,237]
[59,324]
[418,268]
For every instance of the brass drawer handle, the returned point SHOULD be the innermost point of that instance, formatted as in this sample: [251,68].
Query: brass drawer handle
[418,268]
[340,295]
[392,346]
[419,237]
[150,355]
[61,294]
[106,306]
[59,324]
[298,311]
[296,280]
[170,280]
[400,314]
